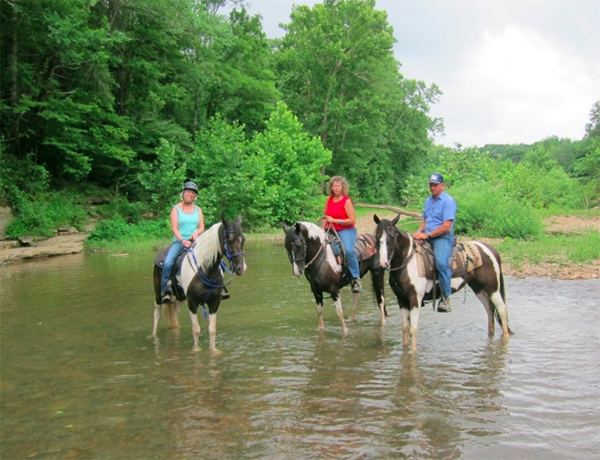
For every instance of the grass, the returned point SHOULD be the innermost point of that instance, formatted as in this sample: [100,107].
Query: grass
[575,248]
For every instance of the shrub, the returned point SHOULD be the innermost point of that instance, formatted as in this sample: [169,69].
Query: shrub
[487,212]
[46,214]
[118,229]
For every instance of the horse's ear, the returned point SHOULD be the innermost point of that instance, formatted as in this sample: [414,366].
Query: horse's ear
[298,227]
[239,219]
[376,219]
[396,219]
[285,227]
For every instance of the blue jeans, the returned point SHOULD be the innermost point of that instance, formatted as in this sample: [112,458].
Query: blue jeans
[348,238]
[174,251]
[442,249]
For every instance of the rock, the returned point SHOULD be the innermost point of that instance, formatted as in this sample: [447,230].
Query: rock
[56,246]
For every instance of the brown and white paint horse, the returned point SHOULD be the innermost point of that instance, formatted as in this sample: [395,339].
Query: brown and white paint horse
[396,253]
[309,253]
[201,277]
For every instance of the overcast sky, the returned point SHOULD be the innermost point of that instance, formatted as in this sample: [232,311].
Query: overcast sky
[512,71]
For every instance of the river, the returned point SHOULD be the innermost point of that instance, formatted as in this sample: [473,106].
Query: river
[82,378]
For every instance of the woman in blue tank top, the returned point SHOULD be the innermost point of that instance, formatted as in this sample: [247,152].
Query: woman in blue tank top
[187,223]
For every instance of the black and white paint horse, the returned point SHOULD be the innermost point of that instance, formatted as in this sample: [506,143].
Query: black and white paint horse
[310,253]
[397,253]
[200,276]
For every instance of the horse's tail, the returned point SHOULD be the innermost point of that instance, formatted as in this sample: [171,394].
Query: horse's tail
[378,285]
[171,310]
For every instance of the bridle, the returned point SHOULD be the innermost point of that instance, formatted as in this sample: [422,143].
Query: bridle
[205,279]
[228,253]
[303,245]
[394,238]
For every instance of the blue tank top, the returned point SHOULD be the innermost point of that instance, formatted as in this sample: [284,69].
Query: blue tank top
[187,223]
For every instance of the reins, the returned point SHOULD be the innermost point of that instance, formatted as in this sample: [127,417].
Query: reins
[407,259]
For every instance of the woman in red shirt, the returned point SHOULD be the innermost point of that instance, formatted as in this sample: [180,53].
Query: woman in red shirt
[339,212]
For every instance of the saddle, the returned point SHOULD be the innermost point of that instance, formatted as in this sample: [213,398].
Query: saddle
[465,257]
[159,261]
[364,248]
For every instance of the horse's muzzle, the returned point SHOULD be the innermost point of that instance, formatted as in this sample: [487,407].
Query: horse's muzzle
[297,270]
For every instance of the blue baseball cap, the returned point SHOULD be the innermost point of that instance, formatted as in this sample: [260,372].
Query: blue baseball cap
[436,178]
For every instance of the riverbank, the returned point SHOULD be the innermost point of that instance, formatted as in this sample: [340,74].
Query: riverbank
[73,243]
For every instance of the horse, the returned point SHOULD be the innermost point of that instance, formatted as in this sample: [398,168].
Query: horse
[309,252]
[199,278]
[396,252]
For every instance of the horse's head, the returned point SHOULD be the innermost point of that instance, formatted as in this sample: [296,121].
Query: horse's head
[386,235]
[295,245]
[233,244]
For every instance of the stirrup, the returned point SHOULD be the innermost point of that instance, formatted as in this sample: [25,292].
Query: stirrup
[444,305]
[356,286]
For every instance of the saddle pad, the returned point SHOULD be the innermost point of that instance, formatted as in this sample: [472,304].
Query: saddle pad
[364,247]
[159,260]
[465,257]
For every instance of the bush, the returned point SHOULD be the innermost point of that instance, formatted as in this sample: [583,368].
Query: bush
[47,214]
[484,211]
[119,230]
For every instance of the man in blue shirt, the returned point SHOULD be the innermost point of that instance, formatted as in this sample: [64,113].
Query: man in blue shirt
[439,213]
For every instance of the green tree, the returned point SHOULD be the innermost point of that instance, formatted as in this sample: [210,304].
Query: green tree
[55,87]
[163,179]
[293,161]
[337,73]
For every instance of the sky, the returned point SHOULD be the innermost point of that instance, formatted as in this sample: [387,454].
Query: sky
[512,71]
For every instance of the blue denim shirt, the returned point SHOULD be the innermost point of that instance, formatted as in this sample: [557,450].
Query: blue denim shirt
[437,212]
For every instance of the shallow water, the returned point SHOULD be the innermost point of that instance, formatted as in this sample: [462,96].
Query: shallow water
[81,378]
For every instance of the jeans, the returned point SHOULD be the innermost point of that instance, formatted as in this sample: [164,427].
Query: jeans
[442,249]
[174,251]
[348,238]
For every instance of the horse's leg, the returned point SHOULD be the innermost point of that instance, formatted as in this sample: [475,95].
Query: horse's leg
[156,318]
[319,300]
[414,326]
[405,326]
[484,298]
[195,330]
[212,332]
[340,312]
[355,301]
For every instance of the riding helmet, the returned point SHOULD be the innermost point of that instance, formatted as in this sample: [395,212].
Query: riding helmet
[189,185]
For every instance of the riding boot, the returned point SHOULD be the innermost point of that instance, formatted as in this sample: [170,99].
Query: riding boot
[225,294]
[356,286]
[444,305]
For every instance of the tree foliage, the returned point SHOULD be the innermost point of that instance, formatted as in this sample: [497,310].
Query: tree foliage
[337,73]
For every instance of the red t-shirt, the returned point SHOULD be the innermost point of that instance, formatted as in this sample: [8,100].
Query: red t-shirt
[338,211]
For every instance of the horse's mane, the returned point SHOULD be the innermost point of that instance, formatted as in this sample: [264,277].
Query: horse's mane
[207,247]
[314,231]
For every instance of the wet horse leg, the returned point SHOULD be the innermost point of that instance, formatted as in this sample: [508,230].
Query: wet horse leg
[405,326]
[414,326]
[212,332]
[195,330]
[355,301]
[319,300]
[484,298]
[337,299]
[157,307]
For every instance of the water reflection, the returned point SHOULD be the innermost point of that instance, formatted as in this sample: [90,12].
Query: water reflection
[82,378]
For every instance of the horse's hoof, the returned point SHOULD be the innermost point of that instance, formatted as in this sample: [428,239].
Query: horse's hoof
[215,352]
[196,349]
